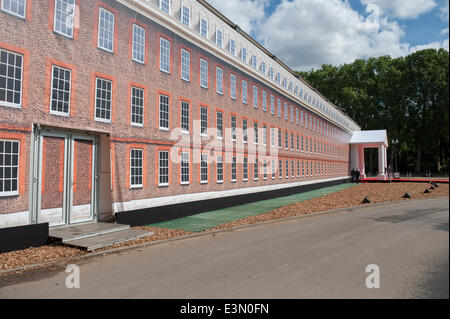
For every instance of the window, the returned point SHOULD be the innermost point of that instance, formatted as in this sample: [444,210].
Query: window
[219,166]
[264,101]
[103,100]
[185,65]
[219,37]
[279,108]
[271,73]
[306,120]
[256,169]
[64,14]
[286,167]
[272,136]
[255,96]
[233,127]
[280,168]
[265,169]
[272,104]
[263,67]
[15,7]
[298,169]
[163,168]
[11,70]
[292,114]
[204,168]
[253,62]
[286,140]
[219,124]
[292,169]
[184,168]
[137,106]
[245,169]
[279,138]
[303,169]
[185,117]
[9,167]
[203,121]
[106,30]
[285,111]
[278,78]
[301,118]
[297,121]
[302,144]
[164,5]
[233,86]
[232,46]
[255,132]
[204,27]
[244,131]
[136,168]
[244,54]
[186,15]
[273,169]
[164,55]
[233,169]
[264,135]
[203,73]
[244,92]
[138,44]
[219,80]
[163,112]
[61,89]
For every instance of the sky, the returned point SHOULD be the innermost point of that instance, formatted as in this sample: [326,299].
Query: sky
[306,34]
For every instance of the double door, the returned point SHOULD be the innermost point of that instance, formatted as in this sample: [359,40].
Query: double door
[64,178]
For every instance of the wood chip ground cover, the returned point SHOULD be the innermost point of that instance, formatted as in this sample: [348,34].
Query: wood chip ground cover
[346,198]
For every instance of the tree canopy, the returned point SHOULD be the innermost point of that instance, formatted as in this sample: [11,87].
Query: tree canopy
[408,96]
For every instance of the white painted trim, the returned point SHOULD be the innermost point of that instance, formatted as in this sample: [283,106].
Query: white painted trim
[186,198]
[14,219]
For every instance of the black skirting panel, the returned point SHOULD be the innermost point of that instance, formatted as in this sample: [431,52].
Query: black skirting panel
[164,213]
[23,237]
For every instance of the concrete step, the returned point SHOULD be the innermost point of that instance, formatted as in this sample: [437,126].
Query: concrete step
[109,239]
[75,232]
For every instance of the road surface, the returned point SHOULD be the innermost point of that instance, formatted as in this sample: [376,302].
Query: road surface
[322,256]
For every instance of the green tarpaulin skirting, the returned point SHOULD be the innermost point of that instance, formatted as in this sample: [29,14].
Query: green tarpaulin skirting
[207,220]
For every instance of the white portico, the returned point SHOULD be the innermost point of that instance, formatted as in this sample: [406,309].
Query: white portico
[369,139]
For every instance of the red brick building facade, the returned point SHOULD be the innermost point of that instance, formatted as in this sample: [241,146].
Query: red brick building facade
[88,110]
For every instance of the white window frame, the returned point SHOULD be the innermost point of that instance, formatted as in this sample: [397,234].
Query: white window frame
[234,169]
[203,168]
[203,125]
[264,100]
[52,88]
[255,96]
[164,128]
[219,166]
[5,102]
[68,26]
[4,193]
[164,57]
[185,65]
[219,126]
[184,7]
[206,32]
[233,88]
[140,45]
[15,13]
[133,88]
[204,73]
[105,30]
[219,80]
[185,116]
[100,119]
[141,151]
[219,38]
[183,168]
[244,90]
[165,2]
[163,167]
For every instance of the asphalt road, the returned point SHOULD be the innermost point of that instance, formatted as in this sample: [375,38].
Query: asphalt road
[323,256]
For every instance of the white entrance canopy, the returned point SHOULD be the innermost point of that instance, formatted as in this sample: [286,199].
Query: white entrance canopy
[369,139]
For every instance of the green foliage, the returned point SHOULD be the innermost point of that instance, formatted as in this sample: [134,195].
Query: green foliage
[408,96]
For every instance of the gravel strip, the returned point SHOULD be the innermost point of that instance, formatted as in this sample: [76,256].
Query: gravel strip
[350,197]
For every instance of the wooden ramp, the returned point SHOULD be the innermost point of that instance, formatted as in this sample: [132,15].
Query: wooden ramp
[95,236]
